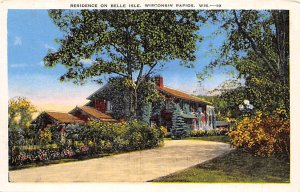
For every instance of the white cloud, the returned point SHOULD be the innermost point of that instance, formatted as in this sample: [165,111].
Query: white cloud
[23,65]
[17,41]
[18,65]
[49,47]
[87,61]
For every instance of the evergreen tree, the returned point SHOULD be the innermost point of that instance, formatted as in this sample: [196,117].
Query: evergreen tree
[179,127]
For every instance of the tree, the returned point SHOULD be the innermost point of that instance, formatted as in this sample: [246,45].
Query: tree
[20,112]
[179,127]
[124,43]
[257,46]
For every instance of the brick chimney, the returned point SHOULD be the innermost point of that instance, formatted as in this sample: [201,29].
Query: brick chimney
[159,81]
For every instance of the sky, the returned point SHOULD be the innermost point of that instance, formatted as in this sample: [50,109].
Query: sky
[31,34]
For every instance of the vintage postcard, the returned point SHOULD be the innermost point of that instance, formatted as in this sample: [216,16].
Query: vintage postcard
[143,96]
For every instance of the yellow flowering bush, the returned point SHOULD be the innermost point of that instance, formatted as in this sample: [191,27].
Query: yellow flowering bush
[164,130]
[263,135]
[45,136]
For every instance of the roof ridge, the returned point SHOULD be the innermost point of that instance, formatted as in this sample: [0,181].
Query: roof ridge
[56,112]
[107,116]
[179,90]
[183,92]
[95,92]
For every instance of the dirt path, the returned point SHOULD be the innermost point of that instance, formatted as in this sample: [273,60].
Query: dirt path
[137,166]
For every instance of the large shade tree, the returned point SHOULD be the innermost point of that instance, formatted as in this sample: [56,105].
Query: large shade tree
[257,47]
[127,43]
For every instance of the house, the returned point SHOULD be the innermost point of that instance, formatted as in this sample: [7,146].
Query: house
[195,112]
[179,110]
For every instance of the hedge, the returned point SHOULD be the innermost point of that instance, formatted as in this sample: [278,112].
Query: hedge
[81,141]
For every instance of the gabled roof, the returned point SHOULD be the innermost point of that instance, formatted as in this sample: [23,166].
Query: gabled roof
[166,90]
[96,114]
[64,117]
[181,95]
[96,92]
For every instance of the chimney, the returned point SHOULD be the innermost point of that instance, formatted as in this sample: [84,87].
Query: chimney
[159,81]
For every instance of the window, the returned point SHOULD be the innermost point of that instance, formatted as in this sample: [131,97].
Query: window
[168,105]
[108,106]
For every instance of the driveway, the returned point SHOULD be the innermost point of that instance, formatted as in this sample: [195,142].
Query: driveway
[137,166]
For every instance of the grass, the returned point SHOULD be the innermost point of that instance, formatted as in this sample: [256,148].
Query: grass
[234,167]
[223,139]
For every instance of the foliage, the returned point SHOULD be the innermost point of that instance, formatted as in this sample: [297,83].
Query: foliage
[257,48]
[122,43]
[213,132]
[179,127]
[133,135]
[82,141]
[20,112]
[16,136]
[45,136]
[262,134]
[164,130]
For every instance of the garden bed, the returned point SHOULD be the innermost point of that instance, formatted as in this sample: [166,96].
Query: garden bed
[80,142]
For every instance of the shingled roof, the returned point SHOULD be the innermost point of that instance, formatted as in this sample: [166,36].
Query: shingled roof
[64,117]
[181,95]
[97,114]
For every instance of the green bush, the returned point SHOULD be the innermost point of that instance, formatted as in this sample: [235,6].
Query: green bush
[133,135]
[78,141]
[45,137]
[145,136]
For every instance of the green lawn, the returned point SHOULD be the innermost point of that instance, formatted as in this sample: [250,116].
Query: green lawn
[236,166]
[223,139]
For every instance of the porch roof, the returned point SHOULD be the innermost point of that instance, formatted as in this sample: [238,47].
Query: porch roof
[96,114]
[64,117]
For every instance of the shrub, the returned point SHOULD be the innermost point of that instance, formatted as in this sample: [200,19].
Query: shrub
[164,130]
[263,135]
[168,135]
[125,136]
[45,137]
[212,132]
[198,133]
[93,139]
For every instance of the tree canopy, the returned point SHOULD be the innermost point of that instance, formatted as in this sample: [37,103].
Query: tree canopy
[125,43]
[20,112]
[257,46]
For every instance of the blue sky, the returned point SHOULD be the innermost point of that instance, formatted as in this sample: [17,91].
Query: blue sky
[31,34]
